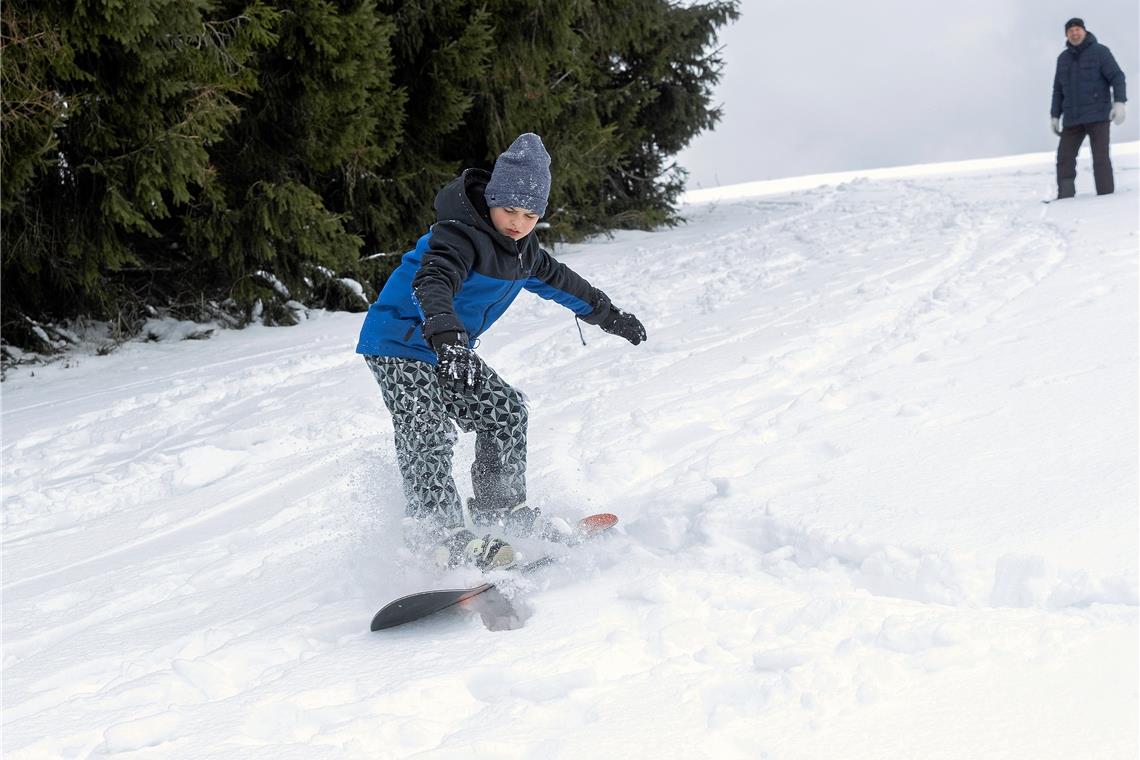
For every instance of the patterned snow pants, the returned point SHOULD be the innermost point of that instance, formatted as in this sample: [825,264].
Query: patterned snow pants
[424,417]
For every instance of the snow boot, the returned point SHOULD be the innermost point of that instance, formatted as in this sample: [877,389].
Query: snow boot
[523,521]
[463,547]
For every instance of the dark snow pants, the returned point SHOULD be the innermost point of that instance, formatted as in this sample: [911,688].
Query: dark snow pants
[1071,139]
[424,417]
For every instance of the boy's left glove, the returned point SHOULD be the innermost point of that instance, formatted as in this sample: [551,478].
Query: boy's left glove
[623,323]
[459,368]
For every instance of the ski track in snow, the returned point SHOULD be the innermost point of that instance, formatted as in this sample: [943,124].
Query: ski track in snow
[876,468]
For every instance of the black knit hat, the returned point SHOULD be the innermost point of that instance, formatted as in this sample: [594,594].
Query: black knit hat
[1075,22]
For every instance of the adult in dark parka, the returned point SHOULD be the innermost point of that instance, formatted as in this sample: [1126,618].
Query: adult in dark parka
[1085,72]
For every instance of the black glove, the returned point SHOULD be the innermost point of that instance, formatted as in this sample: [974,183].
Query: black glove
[624,324]
[459,369]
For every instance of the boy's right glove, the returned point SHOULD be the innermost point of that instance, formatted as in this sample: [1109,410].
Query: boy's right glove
[626,325]
[459,368]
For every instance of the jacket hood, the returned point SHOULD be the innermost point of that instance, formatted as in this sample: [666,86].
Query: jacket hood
[462,200]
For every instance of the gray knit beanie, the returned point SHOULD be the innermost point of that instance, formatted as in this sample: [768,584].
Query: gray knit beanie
[521,178]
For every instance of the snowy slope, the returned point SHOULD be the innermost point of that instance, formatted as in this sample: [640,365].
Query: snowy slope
[877,467]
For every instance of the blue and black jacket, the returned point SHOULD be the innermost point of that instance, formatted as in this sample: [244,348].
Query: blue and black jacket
[462,275]
[1084,75]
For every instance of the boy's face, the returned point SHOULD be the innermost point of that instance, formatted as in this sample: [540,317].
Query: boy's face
[515,223]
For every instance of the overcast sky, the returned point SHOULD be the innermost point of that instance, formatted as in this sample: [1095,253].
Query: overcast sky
[814,86]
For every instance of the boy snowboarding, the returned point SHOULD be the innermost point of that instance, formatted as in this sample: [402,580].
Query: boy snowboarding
[418,340]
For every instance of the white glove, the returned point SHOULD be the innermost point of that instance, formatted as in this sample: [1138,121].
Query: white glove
[1056,126]
[1117,114]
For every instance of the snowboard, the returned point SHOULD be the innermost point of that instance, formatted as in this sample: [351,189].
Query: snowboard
[424,603]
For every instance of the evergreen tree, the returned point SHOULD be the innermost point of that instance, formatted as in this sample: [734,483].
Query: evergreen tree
[440,57]
[654,81]
[615,89]
[124,102]
[32,55]
[185,153]
[323,117]
[540,80]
